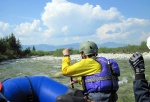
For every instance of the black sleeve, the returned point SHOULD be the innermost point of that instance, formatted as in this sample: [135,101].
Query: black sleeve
[141,89]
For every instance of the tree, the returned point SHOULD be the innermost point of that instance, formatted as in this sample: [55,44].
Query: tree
[33,48]
[14,46]
[58,52]
[26,52]
[143,47]
[3,46]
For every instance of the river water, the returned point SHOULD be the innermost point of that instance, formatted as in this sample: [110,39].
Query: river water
[51,67]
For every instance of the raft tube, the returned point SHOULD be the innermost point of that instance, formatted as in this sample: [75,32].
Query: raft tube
[32,88]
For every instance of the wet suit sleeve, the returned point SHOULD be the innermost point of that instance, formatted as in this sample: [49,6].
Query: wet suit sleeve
[141,89]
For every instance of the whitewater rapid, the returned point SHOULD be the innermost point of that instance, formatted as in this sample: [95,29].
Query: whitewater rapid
[107,55]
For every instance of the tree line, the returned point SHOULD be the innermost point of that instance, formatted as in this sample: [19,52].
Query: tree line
[126,49]
[10,48]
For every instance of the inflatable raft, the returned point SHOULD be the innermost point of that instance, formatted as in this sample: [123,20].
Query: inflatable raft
[37,89]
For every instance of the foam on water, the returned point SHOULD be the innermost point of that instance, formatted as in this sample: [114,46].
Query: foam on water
[123,81]
[78,57]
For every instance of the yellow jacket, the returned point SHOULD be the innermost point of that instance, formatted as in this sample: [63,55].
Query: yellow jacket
[82,68]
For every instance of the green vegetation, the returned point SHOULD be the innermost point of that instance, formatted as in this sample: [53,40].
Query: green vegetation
[10,48]
[58,52]
[127,49]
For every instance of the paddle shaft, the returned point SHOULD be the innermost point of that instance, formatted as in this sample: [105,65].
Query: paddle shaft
[72,84]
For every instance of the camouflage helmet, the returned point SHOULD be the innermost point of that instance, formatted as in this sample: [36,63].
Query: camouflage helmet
[88,48]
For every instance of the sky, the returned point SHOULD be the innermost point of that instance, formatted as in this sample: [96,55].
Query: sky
[60,22]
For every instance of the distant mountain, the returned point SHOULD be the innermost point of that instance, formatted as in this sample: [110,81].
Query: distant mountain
[111,45]
[46,47]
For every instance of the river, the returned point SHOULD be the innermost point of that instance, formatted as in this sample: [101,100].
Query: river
[51,67]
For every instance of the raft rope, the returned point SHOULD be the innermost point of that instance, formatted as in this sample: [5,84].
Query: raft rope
[30,96]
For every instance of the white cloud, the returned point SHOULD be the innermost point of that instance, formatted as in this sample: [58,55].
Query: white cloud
[70,23]
[3,26]
[131,29]
[28,28]
[48,33]
[99,13]
[31,33]
[71,20]
[80,19]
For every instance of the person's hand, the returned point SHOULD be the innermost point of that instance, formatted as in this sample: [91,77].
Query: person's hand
[66,52]
[137,63]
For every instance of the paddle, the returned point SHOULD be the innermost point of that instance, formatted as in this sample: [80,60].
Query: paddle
[2,94]
[57,75]
[72,84]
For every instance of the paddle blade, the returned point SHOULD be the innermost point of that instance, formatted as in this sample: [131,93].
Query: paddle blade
[58,75]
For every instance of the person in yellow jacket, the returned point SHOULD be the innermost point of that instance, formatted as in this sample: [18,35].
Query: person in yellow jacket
[87,66]
[81,68]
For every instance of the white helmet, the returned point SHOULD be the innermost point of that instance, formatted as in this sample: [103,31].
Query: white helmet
[148,42]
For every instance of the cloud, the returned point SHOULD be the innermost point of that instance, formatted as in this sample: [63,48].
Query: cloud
[64,22]
[3,28]
[77,19]
[70,20]
[48,33]
[28,28]
[130,29]
[32,33]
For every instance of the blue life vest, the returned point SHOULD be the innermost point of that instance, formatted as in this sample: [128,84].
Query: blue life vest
[106,80]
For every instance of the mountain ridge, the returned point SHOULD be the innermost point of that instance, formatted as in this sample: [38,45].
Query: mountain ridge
[47,47]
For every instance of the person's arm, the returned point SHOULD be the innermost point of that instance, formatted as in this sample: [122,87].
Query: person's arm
[140,85]
[141,90]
